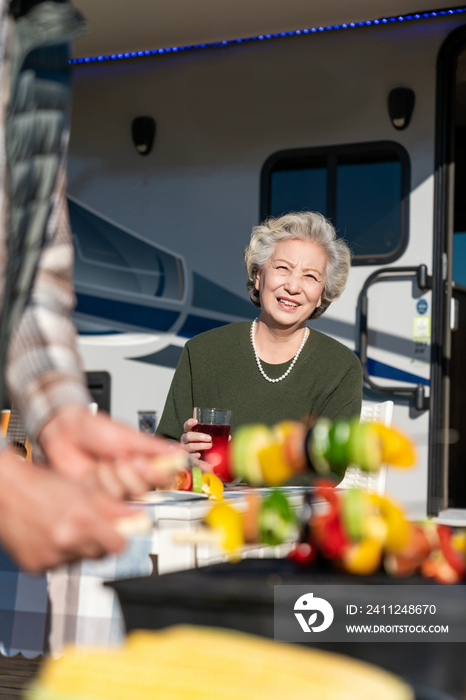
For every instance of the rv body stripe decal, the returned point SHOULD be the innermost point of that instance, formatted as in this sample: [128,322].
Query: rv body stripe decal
[413,16]
[168,357]
[380,369]
[198,324]
[124,312]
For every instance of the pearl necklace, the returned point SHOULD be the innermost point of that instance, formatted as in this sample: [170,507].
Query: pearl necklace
[293,361]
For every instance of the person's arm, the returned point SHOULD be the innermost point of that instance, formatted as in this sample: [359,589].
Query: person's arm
[44,369]
[46,382]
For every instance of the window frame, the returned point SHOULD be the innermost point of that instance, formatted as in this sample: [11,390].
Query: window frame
[331,153]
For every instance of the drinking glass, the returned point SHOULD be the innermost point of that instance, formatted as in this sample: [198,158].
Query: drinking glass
[214,422]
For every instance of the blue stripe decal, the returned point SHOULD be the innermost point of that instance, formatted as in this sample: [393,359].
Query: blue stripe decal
[380,369]
[209,295]
[122,311]
[99,332]
[197,324]
[168,357]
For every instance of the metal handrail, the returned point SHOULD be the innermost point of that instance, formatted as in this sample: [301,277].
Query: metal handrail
[424,282]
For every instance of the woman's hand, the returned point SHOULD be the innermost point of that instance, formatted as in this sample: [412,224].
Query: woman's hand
[193,442]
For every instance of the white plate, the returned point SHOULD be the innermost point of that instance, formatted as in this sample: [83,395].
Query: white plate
[171,496]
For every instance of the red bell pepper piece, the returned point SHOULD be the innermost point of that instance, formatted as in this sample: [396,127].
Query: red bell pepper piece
[327,528]
[451,555]
[303,554]
[184,480]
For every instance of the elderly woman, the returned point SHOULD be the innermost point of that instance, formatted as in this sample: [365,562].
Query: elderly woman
[276,367]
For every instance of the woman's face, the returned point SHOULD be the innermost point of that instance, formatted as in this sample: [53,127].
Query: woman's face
[291,282]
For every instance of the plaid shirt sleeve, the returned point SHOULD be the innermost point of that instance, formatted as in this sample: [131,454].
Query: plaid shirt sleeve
[44,369]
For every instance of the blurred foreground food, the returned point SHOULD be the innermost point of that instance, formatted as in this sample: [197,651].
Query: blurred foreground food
[200,663]
[358,532]
[263,456]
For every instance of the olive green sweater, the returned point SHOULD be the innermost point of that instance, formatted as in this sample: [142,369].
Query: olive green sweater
[217,369]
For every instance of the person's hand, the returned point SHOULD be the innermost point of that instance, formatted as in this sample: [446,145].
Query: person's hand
[47,520]
[193,442]
[105,453]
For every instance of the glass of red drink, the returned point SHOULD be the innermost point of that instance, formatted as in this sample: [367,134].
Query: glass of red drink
[214,422]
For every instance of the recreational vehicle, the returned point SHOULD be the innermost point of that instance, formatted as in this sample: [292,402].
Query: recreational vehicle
[362,117]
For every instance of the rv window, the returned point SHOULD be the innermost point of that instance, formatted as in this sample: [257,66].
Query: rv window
[109,257]
[368,207]
[459,224]
[362,188]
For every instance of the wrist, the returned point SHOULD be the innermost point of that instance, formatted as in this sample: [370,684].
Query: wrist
[60,421]
[13,470]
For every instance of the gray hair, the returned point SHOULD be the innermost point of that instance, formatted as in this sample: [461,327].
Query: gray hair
[306,225]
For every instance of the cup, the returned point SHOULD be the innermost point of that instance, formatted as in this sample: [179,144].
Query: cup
[147,421]
[214,422]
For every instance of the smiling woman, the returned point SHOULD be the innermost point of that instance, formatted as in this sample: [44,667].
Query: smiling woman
[276,368]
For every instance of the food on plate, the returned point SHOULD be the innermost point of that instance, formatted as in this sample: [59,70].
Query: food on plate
[212,486]
[195,480]
[184,480]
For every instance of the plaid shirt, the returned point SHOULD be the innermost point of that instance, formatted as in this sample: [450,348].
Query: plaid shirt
[43,371]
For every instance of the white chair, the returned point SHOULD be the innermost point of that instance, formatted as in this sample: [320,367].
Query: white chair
[355,477]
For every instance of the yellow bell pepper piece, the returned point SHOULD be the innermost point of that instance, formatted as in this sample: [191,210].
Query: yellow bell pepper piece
[397,449]
[398,528]
[229,523]
[363,558]
[458,541]
[376,528]
[212,486]
[275,469]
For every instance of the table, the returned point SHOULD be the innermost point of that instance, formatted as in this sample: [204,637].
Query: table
[42,614]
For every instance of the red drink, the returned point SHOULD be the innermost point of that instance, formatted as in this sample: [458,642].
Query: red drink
[219,432]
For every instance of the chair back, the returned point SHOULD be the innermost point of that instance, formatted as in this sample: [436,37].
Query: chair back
[355,477]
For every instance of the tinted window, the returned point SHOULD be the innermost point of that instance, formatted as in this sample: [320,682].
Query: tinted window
[295,190]
[368,206]
[362,188]
[459,258]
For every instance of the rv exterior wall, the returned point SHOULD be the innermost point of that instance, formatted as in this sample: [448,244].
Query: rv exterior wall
[220,114]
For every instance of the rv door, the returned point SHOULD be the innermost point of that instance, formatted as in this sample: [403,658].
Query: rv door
[447,473]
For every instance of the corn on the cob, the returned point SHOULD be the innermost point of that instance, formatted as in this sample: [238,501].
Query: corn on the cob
[195,663]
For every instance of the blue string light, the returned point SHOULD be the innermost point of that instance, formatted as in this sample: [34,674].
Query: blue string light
[278,35]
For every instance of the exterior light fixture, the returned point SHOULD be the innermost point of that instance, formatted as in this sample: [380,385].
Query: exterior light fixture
[143,133]
[400,107]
